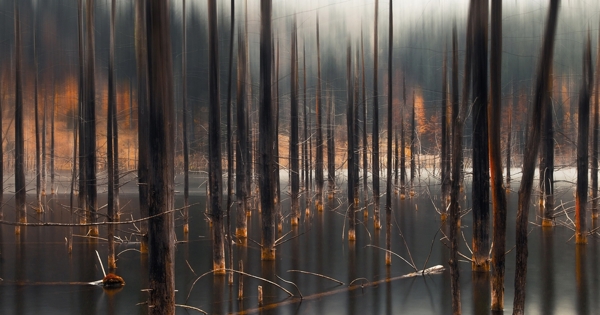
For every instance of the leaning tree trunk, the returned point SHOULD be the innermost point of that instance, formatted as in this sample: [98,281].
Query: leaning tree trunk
[20,189]
[495,153]
[215,179]
[294,154]
[583,123]
[186,154]
[267,152]
[375,131]
[319,145]
[531,149]
[481,181]
[143,125]
[388,196]
[351,213]
[90,122]
[160,160]
[243,154]
[110,127]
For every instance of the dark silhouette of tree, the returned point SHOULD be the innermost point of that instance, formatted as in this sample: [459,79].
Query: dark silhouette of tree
[444,156]
[352,198]
[38,153]
[110,144]
[20,189]
[186,154]
[243,155]
[365,143]
[319,145]
[388,196]
[375,131]
[294,154]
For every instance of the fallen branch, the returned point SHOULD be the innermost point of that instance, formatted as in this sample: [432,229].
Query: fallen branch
[318,275]
[191,308]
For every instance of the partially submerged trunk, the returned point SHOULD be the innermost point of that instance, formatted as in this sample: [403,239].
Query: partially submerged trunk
[351,213]
[388,196]
[110,149]
[89,153]
[331,146]
[531,149]
[365,143]
[242,151]
[186,154]
[20,189]
[444,161]
[294,152]
[38,153]
[319,145]
[375,131]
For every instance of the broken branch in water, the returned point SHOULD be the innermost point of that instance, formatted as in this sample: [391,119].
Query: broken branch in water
[191,308]
[318,275]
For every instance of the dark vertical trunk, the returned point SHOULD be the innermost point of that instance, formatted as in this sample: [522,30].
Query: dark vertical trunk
[402,144]
[331,146]
[547,156]
[294,154]
[73,179]
[43,153]
[396,159]
[143,125]
[481,180]
[243,154]
[82,101]
[583,123]
[365,144]
[305,147]
[276,176]
[351,213]
[267,134]
[52,142]
[230,145]
[388,196]
[413,139]
[508,148]
[319,145]
[375,131]
[531,151]
[20,189]
[90,121]
[596,137]
[495,153]
[160,160]
[38,153]
[110,141]
[1,150]
[215,180]
[444,161]
[186,154]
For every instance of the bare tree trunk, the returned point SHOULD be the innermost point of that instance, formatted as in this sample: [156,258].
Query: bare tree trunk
[331,146]
[110,126]
[481,180]
[143,124]
[351,213]
[547,171]
[267,153]
[82,102]
[375,131]
[596,137]
[90,122]
[508,148]
[319,145]
[403,144]
[495,153]
[230,146]
[294,154]
[364,129]
[388,196]
[531,150]
[583,123]
[276,176]
[305,146]
[43,153]
[20,189]
[161,161]
[73,179]
[186,154]
[215,179]
[243,155]
[444,162]
[413,139]
[52,142]
[38,153]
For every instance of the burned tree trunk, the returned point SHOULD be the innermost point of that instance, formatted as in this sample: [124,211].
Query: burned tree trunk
[531,150]
[481,180]
[160,160]
[495,153]
[143,124]
[351,213]
[20,189]
[215,179]
[267,153]
[375,131]
[90,122]
[388,196]
[186,154]
[294,154]
[242,157]
[110,126]
[331,147]
[319,144]
[583,123]
[445,163]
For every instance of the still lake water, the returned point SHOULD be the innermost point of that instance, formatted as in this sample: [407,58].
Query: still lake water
[38,272]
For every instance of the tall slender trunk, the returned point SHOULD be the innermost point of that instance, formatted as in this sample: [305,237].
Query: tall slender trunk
[331,146]
[583,124]
[413,139]
[596,137]
[365,144]
[73,179]
[110,126]
[38,153]
[508,147]
[305,147]
[143,113]
[161,160]
[388,196]
[267,153]
[186,154]
[319,144]
[243,154]
[230,146]
[375,131]
[351,213]
[52,141]
[547,156]
[90,121]
[403,143]
[531,151]
[81,105]
[1,151]
[215,177]
[444,162]
[495,154]
[294,154]
[20,189]
[43,153]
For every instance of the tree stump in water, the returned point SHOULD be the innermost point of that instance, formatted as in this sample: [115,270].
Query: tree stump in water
[112,281]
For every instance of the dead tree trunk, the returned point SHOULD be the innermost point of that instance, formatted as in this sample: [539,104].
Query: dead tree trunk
[351,213]
[267,152]
[230,146]
[112,265]
[402,144]
[481,180]
[186,154]
[596,137]
[331,146]
[305,147]
[364,129]
[444,162]
[583,123]
[319,145]
[161,161]
[495,153]
[547,166]
[215,179]
[413,139]
[20,189]
[38,153]
[143,124]
[388,196]
[508,148]
[90,121]
[243,154]
[294,154]
[82,101]
[531,150]
[375,131]
[276,175]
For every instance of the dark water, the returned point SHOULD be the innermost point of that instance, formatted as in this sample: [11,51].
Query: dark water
[37,270]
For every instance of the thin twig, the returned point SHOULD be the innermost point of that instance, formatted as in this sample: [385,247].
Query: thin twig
[389,251]
[191,308]
[101,265]
[318,275]
[290,282]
